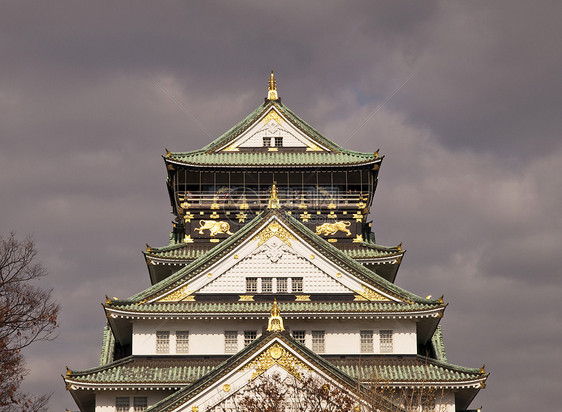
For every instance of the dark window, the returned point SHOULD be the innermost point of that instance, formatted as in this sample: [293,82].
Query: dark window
[278,141]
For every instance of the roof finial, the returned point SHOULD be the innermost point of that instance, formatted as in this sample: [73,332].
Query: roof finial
[275,323]
[273,200]
[272,89]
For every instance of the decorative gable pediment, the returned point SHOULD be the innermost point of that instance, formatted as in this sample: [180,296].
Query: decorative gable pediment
[274,251]
[274,355]
[272,131]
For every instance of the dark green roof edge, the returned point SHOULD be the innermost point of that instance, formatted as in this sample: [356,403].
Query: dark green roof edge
[438,344]
[107,346]
[223,247]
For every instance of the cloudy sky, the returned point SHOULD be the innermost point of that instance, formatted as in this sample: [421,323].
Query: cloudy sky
[92,93]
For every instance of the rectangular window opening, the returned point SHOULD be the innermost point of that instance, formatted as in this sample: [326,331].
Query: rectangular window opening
[318,341]
[299,336]
[296,285]
[266,285]
[386,341]
[231,341]
[366,341]
[251,285]
[140,403]
[278,141]
[281,285]
[122,404]
[182,341]
[249,336]
[162,341]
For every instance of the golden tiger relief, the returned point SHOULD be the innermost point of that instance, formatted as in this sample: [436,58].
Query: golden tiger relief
[328,229]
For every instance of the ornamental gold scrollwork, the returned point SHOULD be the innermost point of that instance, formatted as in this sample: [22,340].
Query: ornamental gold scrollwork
[327,229]
[274,229]
[214,228]
[272,115]
[371,295]
[276,355]
[179,294]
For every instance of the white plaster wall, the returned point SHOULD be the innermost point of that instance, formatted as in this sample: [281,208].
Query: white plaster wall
[273,129]
[207,337]
[105,400]
[289,265]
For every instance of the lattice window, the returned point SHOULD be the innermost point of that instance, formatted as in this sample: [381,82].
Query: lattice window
[249,336]
[366,337]
[386,341]
[266,141]
[278,141]
[231,341]
[140,403]
[251,285]
[162,341]
[122,404]
[296,284]
[318,341]
[300,336]
[266,285]
[182,341]
[281,285]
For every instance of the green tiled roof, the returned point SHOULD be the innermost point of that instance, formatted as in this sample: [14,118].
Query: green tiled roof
[406,368]
[191,251]
[182,371]
[438,344]
[107,346]
[208,157]
[262,109]
[263,308]
[261,159]
[132,369]
[241,235]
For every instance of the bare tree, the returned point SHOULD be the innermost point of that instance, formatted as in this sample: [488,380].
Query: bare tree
[274,393]
[27,314]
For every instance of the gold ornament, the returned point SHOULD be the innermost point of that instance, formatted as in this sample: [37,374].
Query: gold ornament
[276,355]
[177,295]
[371,295]
[275,323]
[358,239]
[214,228]
[328,229]
[274,229]
[305,216]
[358,217]
[273,200]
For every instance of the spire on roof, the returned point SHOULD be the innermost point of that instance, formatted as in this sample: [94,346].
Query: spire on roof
[272,88]
[275,323]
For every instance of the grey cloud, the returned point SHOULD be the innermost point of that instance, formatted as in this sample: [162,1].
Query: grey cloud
[92,93]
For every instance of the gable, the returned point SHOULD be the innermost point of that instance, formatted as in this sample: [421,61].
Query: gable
[275,260]
[265,130]
[269,355]
[274,251]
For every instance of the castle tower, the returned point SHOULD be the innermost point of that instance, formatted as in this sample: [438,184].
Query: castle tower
[272,265]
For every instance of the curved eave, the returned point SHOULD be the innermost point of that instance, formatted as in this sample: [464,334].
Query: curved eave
[477,383]
[113,312]
[309,165]
[73,384]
